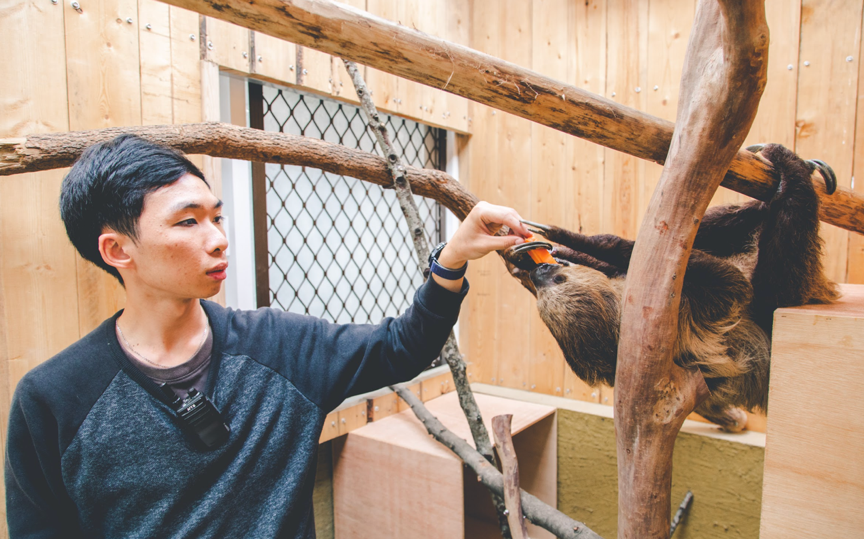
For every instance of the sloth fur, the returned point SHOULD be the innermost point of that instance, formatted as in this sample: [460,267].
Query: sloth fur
[747,261]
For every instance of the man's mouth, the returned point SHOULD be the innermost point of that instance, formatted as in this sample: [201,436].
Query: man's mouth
[219,272]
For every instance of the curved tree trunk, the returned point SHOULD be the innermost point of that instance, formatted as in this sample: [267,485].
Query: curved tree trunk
[723,79]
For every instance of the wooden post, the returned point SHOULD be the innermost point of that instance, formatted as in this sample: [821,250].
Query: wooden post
[510,469]
[722,82]
[352,34]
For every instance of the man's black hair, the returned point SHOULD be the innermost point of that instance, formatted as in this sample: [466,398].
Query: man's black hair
[106,188]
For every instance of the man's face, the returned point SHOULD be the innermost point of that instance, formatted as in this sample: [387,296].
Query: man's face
[181,244]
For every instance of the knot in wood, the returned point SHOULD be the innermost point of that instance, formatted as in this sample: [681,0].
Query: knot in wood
[392,158]
[418,231]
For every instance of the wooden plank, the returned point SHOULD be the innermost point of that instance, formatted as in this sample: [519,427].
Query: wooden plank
[855,263]
[814,477]
[315,70]
[154,35]
[383,406]
[352,418]
[552,55]
[627,24]
[185,66]
[434,387]
[457,28]
[275,59]
[104,85]
[383,85]
[342,86]
[228,45]
[830,42]
[330,429]
[409,94]
[514,156]
[485,275]
[669,23]
[431,19]
[33,78]
[583,190]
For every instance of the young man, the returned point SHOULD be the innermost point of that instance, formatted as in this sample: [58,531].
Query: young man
[101,442]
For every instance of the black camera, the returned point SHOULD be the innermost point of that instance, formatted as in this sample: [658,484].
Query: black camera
[199,417]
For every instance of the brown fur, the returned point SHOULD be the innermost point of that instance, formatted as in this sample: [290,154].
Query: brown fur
[747,261]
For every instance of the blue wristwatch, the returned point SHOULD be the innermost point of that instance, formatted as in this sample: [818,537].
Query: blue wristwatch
[441,271]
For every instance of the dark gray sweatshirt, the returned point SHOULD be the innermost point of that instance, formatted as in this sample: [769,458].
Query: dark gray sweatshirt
[94,450]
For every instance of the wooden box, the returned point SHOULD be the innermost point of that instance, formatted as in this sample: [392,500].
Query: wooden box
[392,480]
[814,455]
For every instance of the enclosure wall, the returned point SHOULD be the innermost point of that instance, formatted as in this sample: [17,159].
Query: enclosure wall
[134,62]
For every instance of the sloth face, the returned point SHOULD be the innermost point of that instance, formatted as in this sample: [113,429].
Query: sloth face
[580,306]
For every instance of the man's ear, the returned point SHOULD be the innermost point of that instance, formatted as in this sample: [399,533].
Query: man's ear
[114,247]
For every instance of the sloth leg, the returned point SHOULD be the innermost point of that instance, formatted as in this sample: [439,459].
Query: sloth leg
[729,418]
[582,259]
[789,266]
[728,230]
[608,248]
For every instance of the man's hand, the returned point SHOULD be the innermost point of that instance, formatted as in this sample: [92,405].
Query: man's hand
[476,238]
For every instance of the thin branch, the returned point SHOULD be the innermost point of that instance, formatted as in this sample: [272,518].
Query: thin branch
[537,511]
[681,512]
[450,351]
[510,467]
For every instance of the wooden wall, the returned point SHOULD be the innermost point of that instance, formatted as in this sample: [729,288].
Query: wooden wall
[632,51]
[133,62]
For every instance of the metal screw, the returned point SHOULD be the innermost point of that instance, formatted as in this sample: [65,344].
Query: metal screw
[501,381]
[305,72]
[533,386]
[613,94]
[524,384]
[129,20]
[260,58]
[605,399]
[493,113]
[506,512]
[54,2]
[638,89]
[343,420]
[493,379]
[848,58]
[330,80]
[333,424]
[376,408]
[594,395]
[806,64]
[291,68]
[210,45]
[149,26]
[557,390]
[566,391]
[789,67]
[191,37]
[77,7]
[421,107]
[245,55]
[656,87]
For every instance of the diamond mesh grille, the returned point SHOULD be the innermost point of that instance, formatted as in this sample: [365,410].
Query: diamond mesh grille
[338,247]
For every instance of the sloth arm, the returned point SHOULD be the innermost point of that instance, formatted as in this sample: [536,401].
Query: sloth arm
[612,250]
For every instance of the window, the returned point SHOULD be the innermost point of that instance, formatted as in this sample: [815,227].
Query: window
[338,248]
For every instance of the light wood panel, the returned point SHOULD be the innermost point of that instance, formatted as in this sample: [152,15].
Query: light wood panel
[814,474]
[830,42]
[185,70]
[855,262]
[513,184]
[275,58]
[228,45]
[154,35]
[383,85]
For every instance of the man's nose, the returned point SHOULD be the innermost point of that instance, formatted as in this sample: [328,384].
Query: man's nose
[218,241]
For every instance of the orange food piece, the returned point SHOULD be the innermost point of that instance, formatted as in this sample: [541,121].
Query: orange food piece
[540,255]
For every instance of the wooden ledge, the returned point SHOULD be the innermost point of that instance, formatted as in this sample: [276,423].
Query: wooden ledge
[756,439]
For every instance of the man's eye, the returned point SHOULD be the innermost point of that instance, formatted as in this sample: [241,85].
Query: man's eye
[219,219]
[188,222]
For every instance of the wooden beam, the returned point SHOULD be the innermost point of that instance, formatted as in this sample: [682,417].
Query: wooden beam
[723,79]
[50,151]
[352,34]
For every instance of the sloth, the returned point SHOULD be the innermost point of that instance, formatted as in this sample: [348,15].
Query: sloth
[747,261]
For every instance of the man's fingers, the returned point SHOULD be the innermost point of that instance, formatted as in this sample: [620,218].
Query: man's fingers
[498,243]
[494,216]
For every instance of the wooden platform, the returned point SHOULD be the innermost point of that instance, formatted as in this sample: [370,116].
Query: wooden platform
[392,480]
[814,457]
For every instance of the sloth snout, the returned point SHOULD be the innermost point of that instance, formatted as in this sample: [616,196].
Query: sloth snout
[542,274]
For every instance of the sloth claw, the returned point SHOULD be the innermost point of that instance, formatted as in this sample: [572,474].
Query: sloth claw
[827,174]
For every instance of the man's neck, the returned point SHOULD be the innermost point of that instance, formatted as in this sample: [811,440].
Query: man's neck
[164,331]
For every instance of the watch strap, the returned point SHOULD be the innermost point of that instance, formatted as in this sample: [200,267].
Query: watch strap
[447,273]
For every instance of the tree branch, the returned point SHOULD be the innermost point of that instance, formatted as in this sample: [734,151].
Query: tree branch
[538,512]
[844,208]
[510,466]
[356,35]
[723,79]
